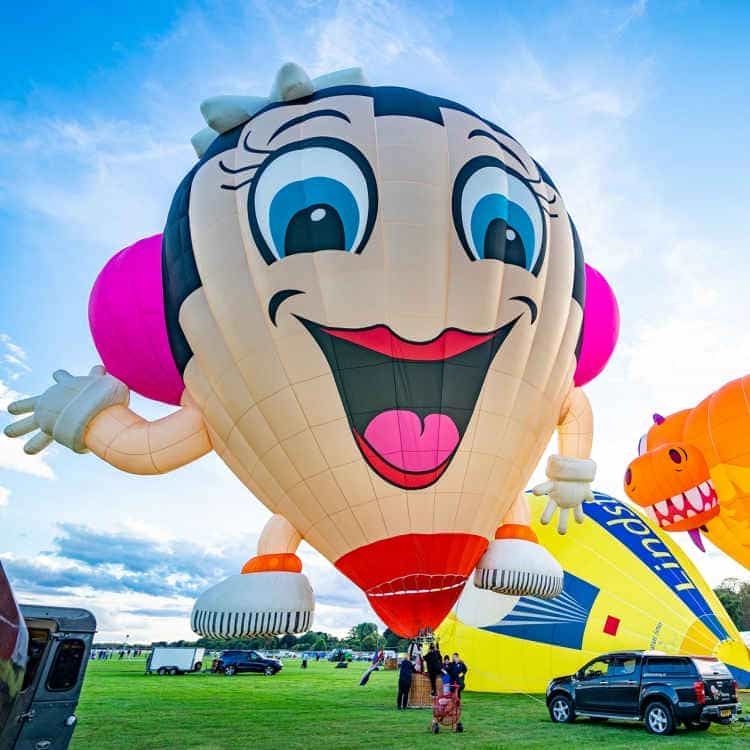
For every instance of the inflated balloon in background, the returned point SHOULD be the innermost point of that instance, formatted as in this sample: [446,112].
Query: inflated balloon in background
[627,586]
[693,471]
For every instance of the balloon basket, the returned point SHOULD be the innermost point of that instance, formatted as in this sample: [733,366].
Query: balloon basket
[419,693]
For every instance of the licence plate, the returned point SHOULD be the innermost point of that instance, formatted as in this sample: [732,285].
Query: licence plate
[725,712]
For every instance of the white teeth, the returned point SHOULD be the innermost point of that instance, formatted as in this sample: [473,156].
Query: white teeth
[678,501]
[661,507]
[650,513]
[677,517]
[695,499]
[691,512]
[705,488]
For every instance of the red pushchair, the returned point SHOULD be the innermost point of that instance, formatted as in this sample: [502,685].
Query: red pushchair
[446,711]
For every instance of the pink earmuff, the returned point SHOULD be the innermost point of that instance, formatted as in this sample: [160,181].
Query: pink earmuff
[127,321]
[601,327]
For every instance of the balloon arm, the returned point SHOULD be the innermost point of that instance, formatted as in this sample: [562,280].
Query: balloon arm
[133,444]
[575,429]
[571,472]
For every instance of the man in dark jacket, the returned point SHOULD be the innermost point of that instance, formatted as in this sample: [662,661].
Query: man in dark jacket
[406,670]
[458,670]
[434,663]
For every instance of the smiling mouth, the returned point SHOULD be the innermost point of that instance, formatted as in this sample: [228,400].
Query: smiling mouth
[408,403]
[686,510]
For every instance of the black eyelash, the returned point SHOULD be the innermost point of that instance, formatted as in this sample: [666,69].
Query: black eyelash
[545,199]
[549,213]
[224,168]
[238,186]
[249,148]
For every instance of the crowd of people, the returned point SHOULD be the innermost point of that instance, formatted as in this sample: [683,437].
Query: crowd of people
[109,653]
[451,671]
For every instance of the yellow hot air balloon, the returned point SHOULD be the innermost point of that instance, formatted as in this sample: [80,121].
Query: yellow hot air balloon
[627,586]
[369,302]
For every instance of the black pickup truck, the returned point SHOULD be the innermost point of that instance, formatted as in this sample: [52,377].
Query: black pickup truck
[660,690]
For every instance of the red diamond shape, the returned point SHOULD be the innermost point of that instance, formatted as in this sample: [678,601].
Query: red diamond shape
[611,624]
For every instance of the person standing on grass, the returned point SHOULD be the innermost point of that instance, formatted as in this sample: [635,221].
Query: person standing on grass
[458,673]
[406,670]
[434,663]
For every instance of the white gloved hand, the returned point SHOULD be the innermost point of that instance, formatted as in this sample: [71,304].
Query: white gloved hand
[568,486]
[64,410]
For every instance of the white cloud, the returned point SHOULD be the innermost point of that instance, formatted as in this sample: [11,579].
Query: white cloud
[4,495]
[12,456]
[360,32]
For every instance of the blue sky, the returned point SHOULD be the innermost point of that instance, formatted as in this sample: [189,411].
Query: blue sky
[638,110]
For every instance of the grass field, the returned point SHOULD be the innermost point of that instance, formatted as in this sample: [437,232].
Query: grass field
[324,708]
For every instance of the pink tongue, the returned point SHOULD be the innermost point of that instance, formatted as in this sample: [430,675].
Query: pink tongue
[397,436]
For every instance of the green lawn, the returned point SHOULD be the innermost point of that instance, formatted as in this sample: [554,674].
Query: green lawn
[324,709]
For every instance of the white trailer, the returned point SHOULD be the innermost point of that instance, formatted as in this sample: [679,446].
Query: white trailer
[164,660]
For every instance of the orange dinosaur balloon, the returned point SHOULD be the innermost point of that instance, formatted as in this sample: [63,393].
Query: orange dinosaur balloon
[693,471]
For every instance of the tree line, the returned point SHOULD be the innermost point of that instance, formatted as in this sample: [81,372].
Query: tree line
[362,637]
[734,594]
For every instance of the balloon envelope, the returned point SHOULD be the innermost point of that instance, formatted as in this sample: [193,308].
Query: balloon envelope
[627,586]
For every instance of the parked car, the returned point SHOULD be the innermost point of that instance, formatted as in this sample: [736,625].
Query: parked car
[232,662]
[660,690]
[173,660]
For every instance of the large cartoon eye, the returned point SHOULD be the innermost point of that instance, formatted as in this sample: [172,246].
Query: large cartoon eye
[317,194]
[497,216]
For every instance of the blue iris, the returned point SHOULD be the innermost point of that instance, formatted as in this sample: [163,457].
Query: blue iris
[501,229]
[317,213]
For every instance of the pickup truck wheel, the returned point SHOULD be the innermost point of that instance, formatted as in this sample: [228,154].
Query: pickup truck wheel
[561,709]
[229,670]
[659,719]
[697,726]
[269,671]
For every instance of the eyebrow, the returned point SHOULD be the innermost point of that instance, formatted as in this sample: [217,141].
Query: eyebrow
[309,116]
[508,151]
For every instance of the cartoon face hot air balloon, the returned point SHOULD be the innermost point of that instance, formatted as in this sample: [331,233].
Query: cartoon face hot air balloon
[369,302]
[693,471]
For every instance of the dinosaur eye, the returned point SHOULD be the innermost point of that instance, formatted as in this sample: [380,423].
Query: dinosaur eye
[628,476]
[313,195]
[497,216]
[675,456]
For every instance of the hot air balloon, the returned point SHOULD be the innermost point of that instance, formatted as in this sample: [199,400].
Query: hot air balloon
[628,586]
[693,471]
[372,304]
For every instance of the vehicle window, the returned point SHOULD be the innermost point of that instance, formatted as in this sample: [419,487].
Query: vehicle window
[621,665]
[596,669]
[668,666]
[67,665]
[711,668]
[252,655]
[38,640]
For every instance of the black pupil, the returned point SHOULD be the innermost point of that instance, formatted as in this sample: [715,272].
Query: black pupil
[628,476]
[502,242]
[316,227]
[675,456]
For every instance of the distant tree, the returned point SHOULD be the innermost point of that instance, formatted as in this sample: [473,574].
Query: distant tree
[288,641]
[391,638]
[320,645]
[734,594]
[369,642]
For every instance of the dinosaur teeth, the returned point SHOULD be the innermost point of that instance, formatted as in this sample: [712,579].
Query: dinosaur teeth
[661,508]
[678,501]
[694,498]
[691,512]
